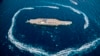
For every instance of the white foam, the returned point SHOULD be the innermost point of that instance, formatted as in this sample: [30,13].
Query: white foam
[66,52]
[18,44]
[53,7]
[88,47]
[73,2]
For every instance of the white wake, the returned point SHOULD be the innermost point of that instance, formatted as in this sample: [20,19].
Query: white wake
[67,52]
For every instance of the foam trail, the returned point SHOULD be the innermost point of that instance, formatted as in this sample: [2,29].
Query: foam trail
[88,47]
[78,12]
[86,20]
[53,7]
[72,1]
[18,44]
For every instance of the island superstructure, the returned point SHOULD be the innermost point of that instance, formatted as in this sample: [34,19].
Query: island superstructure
[48,21]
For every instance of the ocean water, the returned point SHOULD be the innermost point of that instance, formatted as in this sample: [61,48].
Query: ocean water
[36,40]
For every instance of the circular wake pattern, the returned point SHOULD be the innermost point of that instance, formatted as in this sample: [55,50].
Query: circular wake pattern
[38,51]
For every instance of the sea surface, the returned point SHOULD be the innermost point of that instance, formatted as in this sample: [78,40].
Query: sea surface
[25,38]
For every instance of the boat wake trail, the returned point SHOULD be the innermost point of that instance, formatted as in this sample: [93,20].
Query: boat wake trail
[88,47]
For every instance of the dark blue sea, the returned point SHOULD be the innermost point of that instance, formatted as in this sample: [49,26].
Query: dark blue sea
[52,39]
